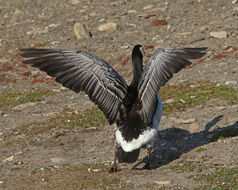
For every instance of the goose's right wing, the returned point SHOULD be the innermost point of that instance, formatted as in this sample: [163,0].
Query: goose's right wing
[82,71]
[159,69]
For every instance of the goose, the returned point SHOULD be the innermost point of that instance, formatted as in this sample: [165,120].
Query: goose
[136,109]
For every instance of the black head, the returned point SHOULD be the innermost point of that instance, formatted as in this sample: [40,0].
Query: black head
[138,50]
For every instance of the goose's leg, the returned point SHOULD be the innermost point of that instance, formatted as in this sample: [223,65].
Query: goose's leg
[114,167]
[147,164]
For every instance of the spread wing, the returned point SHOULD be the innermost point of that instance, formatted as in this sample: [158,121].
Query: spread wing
[158,70]
[82,71]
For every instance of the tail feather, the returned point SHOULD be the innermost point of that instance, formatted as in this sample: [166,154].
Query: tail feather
[127,157]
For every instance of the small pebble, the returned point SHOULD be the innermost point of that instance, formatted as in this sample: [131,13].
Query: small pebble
[234,1]
[147,7]
[162,182]
[182,101]
[9,159]
[74,2]
[230,83]
[169,101]
[132,11]
[107,26]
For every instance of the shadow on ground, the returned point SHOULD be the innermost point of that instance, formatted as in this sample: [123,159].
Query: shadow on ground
[174,142]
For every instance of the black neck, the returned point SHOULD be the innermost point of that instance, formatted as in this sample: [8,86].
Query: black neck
[137,59]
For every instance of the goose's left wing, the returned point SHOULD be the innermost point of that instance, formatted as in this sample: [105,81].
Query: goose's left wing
[82,71]
[159,69]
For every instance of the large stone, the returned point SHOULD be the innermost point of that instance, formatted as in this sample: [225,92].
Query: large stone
[80,31]
[219,34]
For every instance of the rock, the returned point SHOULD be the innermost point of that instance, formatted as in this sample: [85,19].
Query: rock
[9,159]
[204,28]
[4,60]
[57,160]
[17,12]
[132,11]
[230,83]
[159,22]
[125,47]
[169,101]
[147,7]
[184,121]
[235,9]
[80,31]
[102,20]
[184,33]
[234,1]
[194,127]
[168,27]
[18,153]
[49,114]
[148,15]
[220,107]
[92,14]
[219,35]
[182,101]
[107,26]
[37,31]
[23,106]
[187,121]
[162,182]
[52,26]
[74,2]
[1,133]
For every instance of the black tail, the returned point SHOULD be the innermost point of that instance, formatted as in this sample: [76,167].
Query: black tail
[127,157]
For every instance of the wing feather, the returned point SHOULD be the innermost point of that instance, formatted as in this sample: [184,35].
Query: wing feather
[82,71]
[158,70]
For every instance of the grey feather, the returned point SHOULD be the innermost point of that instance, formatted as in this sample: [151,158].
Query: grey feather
[158,70]
[82,71]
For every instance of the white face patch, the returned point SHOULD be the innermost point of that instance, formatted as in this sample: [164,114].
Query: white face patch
[142,50]
[144,138]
